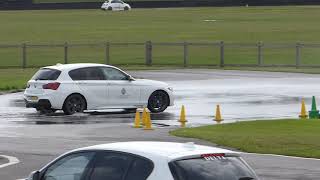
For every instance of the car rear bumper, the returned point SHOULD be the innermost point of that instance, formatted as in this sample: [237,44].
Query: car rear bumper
[42,103]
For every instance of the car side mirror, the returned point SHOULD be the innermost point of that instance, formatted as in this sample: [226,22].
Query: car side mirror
[130,78]
[35,175]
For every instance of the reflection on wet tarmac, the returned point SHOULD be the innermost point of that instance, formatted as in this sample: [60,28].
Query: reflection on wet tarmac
[241,96]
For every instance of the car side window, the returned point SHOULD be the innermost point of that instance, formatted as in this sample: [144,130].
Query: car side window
[140,169]
[110,166]
[91,73]
[114,74]
[71,167]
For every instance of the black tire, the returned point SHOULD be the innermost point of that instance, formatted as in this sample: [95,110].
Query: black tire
[74,103]
[126,8]
[158,101]
[109,8]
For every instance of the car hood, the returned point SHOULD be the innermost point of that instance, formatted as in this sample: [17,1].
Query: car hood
[151,83]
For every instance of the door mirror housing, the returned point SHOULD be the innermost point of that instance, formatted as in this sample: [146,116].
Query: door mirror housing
[130,78]
[35,175]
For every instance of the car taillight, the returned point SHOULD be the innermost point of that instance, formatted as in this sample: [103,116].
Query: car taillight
[52,86]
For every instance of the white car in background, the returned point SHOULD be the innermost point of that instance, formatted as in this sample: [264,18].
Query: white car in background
[115,5]
[78,87]
[147,161]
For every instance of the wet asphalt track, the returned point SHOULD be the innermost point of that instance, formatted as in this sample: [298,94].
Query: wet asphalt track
[35,139]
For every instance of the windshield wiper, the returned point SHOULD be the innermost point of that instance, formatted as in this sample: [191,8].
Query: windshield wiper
[246,178]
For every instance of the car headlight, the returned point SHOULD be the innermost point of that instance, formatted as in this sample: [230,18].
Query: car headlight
[170,89]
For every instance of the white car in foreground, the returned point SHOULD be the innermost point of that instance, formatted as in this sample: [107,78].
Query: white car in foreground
[78,87]
[147,161]
[115,5]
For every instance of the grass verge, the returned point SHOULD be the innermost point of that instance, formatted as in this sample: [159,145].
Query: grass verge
[289,137]
[271,25]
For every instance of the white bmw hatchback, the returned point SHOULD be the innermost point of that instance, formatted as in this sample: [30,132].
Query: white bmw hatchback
[147,161]
[115,5]
[78,87]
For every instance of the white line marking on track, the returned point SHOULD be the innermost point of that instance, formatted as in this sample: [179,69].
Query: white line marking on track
[12,161]
[276,155]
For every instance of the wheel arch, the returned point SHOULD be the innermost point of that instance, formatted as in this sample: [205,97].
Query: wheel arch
[85,100]
[162,91]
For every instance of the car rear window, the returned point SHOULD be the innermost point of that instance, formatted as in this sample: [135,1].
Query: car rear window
[213,168]
[47,74]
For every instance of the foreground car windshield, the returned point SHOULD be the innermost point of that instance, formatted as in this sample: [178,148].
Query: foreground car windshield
[219,168]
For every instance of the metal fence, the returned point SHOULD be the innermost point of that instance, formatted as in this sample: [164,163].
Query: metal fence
[220,54]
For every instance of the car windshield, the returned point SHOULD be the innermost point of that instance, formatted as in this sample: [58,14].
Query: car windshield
[47,74]
[213,168]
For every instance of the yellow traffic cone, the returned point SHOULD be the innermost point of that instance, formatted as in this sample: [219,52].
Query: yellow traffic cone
[137,120]
[303,113]
[218,117]
[182,114]
[148,123]
[144,117]
[183,119]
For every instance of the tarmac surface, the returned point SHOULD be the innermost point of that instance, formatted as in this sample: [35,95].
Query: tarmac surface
[36,139]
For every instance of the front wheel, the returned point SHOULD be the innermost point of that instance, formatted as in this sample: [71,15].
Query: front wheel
[74,103]
[126,8]
[158,101]
[110,8]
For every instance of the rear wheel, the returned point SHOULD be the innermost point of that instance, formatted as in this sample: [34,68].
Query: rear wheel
[74,103]
[158,101]
[126,8]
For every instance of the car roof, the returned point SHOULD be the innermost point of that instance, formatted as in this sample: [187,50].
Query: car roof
[62,67]
[154,150]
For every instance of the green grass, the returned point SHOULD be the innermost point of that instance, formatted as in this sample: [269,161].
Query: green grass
[286,137]
[14,78]
[288,25]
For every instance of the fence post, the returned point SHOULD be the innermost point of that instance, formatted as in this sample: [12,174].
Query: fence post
[221,54]
[107,53]
[148,53]
[24,55]
[260,56]
[298,55]
[66,53]
[185,54]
